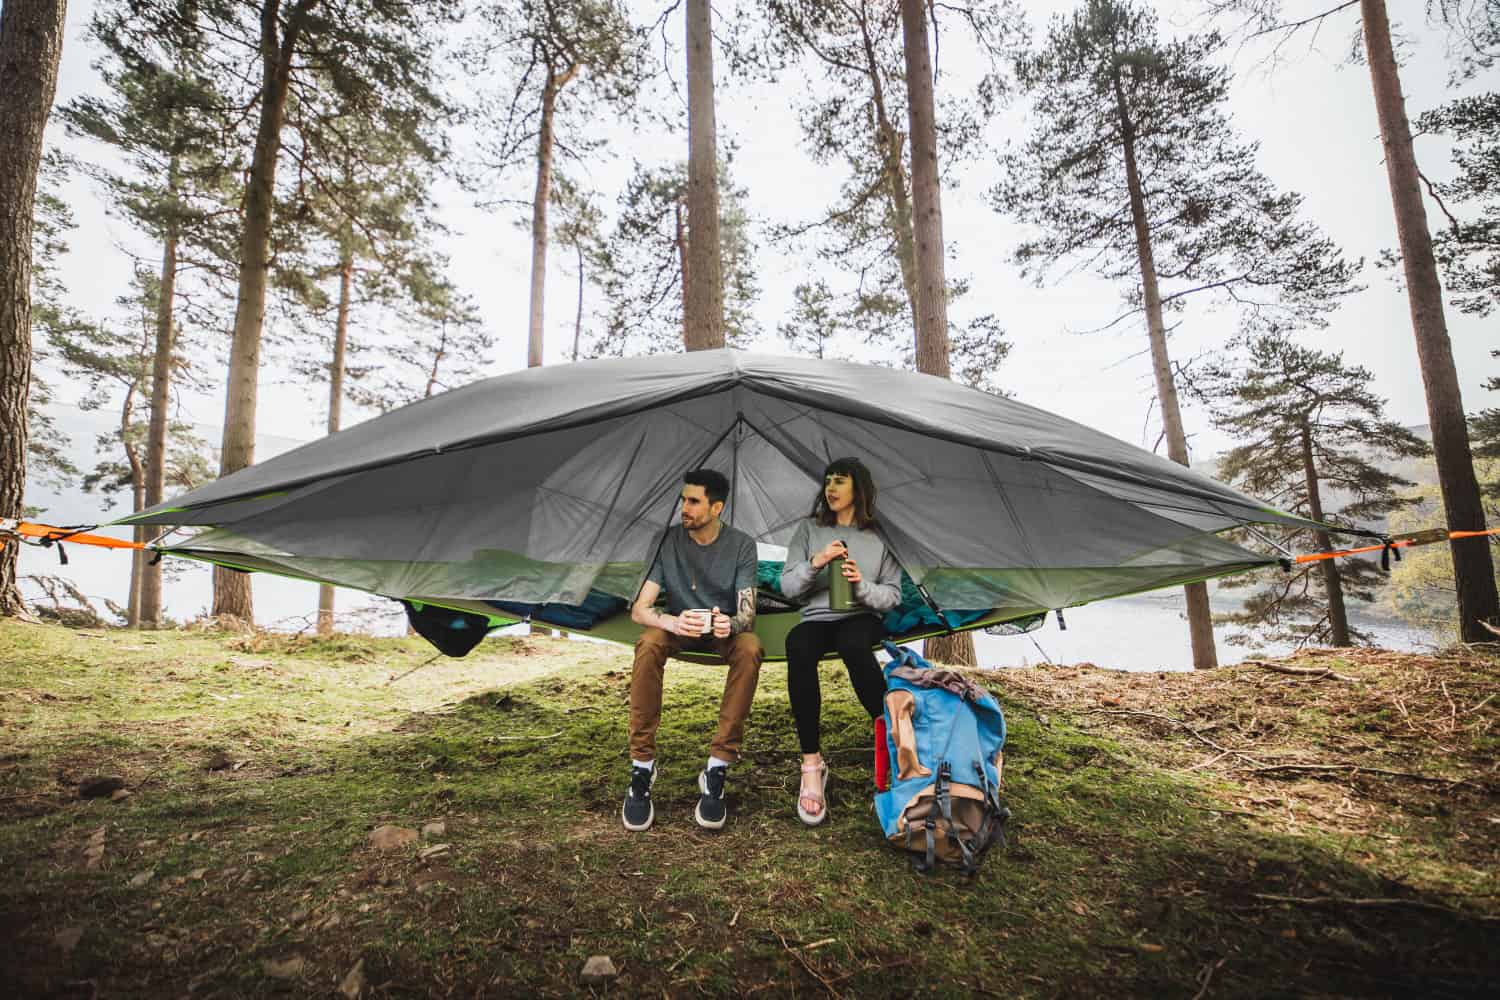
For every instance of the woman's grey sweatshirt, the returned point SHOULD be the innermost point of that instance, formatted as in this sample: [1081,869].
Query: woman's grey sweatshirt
[879,591]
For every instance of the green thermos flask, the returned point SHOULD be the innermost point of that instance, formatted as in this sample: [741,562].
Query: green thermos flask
[840,591]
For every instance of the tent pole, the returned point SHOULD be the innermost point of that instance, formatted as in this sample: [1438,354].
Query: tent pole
[1271,542]
[734,466]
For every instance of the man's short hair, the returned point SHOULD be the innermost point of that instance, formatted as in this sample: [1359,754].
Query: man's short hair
[714,483]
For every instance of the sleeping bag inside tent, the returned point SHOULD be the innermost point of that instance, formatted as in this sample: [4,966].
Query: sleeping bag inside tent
[540,494]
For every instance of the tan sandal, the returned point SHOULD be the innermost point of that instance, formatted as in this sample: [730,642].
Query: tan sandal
[813,819]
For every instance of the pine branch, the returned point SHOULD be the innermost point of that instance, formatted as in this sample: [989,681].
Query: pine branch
[1438,199]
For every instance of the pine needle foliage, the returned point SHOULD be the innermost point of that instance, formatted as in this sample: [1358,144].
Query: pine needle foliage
[51,317]
[1485,428]
[1468,249]
[852,114]
[1219,228]
[1314,440]
[643,261]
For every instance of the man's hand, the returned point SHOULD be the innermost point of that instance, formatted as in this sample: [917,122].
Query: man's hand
[721,624]
[693,624]
[643,612]
[829,553]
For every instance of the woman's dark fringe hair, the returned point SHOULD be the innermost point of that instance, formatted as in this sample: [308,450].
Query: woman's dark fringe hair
[864,494]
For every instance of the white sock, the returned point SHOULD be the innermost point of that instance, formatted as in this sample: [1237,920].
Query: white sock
[644,765]
[716,762]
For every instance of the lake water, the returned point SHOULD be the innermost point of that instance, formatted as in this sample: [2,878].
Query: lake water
[1143,632]
[1150,632]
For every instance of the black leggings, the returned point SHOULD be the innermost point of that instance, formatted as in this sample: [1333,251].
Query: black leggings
[806,644]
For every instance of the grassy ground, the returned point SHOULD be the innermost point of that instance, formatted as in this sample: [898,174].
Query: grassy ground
[1245,832]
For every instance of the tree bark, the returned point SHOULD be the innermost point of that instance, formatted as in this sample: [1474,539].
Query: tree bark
[232,588]
[137,504]
[543,194]
[31,39]
[336,369]
[931,306]
[683,262]
[1338,618]
[141,566]
[703,324]
[437,362]
[890,141]
[1473,573]
[1200,617]
[578,313]
[161,385]
[927,221]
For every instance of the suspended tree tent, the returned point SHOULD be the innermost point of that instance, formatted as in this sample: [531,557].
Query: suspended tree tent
[542,493]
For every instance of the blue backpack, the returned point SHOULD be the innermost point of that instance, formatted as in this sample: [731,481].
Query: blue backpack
[945,739]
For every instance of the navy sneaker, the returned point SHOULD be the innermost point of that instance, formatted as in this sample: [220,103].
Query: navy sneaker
[711,812]
[637,813]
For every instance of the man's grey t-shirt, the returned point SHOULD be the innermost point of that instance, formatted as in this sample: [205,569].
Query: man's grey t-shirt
[703,576]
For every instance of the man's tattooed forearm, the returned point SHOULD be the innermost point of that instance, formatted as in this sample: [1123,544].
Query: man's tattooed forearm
[744,616]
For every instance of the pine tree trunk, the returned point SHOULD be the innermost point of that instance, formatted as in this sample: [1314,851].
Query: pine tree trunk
[539,217]
[1473,573]
[31,38]
[137,504]
[437,362]
[133,598]
[683,262]
[578,315]
[927,221]
[1200,617]
[336,369]
[906,249]
[539,242]
[895,179]
[232,588]
[1338,618]
[161,386]
[140,560]
[703,324]
[927,228]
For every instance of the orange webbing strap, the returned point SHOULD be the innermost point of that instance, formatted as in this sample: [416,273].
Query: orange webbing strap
[1426,537]
[46,535]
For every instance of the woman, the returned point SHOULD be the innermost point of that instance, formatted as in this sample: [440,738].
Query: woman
[842,526]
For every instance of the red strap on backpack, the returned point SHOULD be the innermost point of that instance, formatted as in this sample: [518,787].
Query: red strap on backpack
[882,757]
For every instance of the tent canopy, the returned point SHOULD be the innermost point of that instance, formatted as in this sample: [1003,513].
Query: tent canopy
[543,484]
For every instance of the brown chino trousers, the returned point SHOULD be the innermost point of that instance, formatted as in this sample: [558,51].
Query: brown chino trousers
[742,652]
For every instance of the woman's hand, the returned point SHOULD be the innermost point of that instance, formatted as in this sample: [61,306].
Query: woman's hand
[833,550]
[851,571]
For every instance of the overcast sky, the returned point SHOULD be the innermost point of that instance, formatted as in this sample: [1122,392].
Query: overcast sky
[1314,119]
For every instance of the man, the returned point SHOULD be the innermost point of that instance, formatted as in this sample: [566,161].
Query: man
[706,568]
